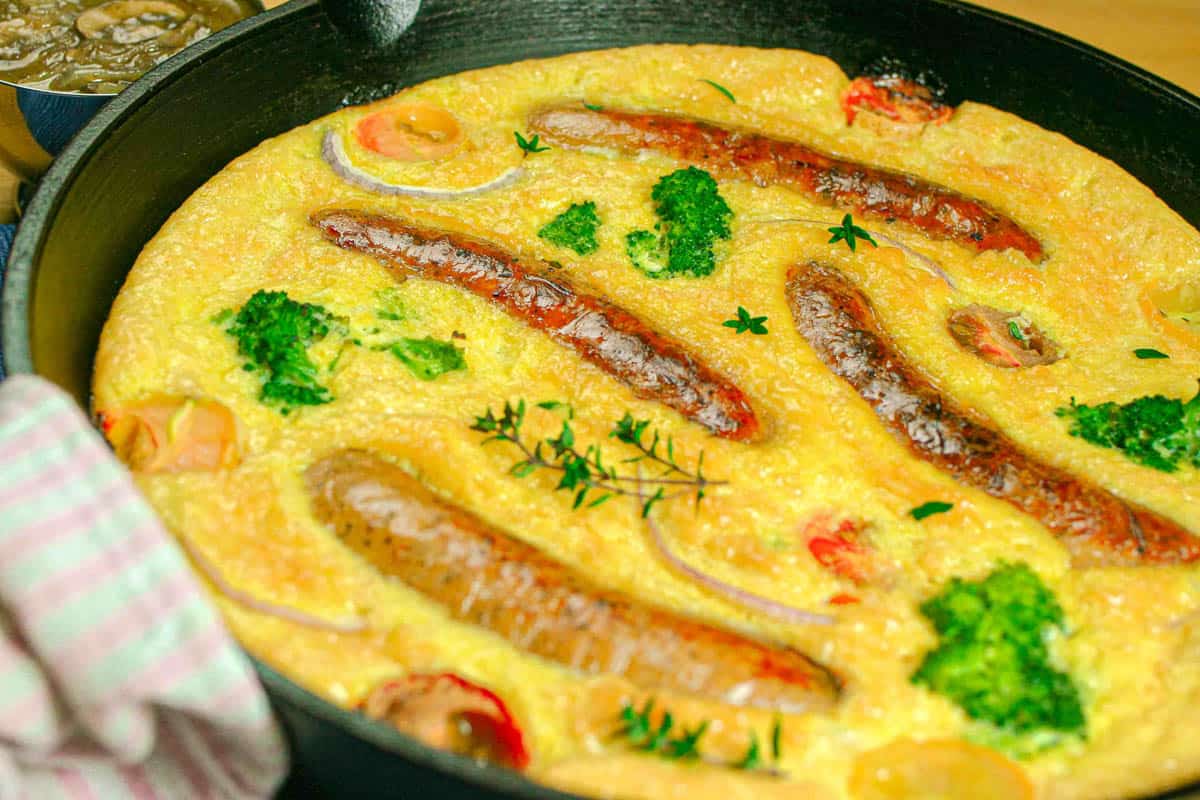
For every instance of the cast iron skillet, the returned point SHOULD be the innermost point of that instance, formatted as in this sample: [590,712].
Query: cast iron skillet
[148,149]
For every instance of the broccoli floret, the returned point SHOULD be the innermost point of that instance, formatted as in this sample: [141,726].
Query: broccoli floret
[574,229]
[391,308]
[273,332]
[692,217]
[1157,431]
[428,358]
[992,659]
[646,253]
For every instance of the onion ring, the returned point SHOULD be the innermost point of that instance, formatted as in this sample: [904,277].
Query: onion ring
[931,266]
[210,571]
[333,151]
[772,608]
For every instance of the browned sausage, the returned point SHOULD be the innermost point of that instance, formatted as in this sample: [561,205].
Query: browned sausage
[1096,527]
[484,577]
[729,153]
[653,365]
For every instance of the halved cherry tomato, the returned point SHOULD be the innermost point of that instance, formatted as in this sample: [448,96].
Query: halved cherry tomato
[451,713]
[946,769]
[172,434]
[843,550]
[988,333]
[410,132]
[898,99]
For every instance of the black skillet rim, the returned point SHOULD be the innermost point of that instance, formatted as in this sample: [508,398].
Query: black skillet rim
[17,357]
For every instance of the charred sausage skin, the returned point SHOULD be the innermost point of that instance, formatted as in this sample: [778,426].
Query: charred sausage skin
[486,578]
[651,364]
[1097,528]
[729,153]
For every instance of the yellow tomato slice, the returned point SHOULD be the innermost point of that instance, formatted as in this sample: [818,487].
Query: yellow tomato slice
[410,132]
[937,770]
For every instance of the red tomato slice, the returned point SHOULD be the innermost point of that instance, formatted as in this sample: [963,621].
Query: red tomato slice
[842,550]
[451,713]
[898,99]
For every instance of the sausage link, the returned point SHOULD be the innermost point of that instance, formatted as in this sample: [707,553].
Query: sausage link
[729,153]
[651,364]
[486,578]
[1097,528]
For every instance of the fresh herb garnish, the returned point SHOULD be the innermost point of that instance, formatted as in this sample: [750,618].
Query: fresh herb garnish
[591,107]
[720,89]
[664,740]
[574,229]
[752,759]
[692,217]
[428,358]
[929,509]
[555,405]
[1157,431]
[1014,330]
[633,433]
[1149,352]
[850,233]
[585,472]
[274,332]
[776,736]
[221,317]
[745,322]
[642,733]
[529,145]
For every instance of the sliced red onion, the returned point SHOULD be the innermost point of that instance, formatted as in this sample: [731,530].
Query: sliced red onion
[931,266]
[334,153]
[772,608]
[265,607]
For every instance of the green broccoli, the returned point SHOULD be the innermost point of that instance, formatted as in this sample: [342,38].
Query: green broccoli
[391,308]
[574,229]
[692,217]
[273,332]
[1156,431]
[428,358]
[992,659]
[645,251]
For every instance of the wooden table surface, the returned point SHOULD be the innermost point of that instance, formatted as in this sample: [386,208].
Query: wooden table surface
[1162,36]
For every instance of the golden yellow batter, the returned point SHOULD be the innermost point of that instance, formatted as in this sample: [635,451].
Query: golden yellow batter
[1115,253]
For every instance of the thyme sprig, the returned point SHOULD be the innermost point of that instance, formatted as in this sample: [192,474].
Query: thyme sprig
[642,733]
[850,233]
[530,145]
[585,472]
[638,728]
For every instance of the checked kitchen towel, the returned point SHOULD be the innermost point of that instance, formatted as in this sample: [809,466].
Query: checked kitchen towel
[117,679]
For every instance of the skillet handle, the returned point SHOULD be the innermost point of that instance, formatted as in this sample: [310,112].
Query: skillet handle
[375,23]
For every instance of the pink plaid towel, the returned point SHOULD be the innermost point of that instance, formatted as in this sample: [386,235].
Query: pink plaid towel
[117,679]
